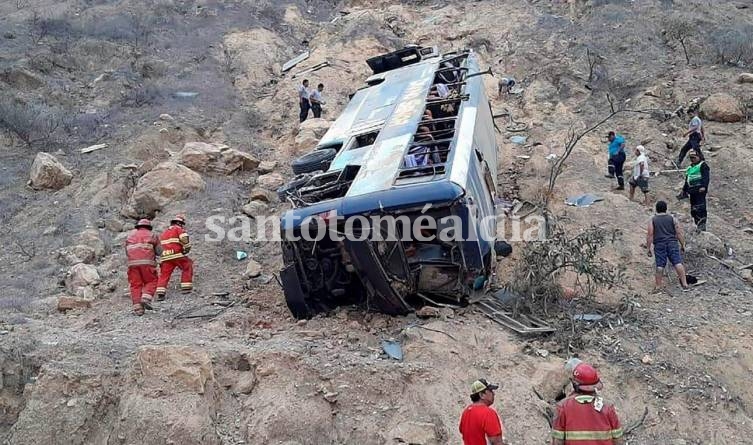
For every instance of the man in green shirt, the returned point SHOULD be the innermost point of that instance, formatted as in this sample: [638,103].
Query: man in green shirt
[697,177]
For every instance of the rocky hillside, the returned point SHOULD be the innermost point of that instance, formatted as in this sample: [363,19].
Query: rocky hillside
[108,112]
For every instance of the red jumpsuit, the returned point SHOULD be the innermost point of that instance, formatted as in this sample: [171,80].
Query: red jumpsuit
[175,246]
[141,250]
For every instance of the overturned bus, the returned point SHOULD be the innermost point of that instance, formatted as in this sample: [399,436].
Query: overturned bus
[416,144]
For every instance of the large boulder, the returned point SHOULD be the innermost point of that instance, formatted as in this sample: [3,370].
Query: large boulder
[91,238]
[166,183]
[309,134]
[48,173]
[204,157]
[254,209]
[81,276]
[271,181]
[722,107]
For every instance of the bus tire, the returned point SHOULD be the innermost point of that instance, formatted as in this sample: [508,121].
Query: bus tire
[314,161]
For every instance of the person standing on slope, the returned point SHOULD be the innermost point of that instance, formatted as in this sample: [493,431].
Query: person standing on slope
[175,247]
[142,247]
[616,158]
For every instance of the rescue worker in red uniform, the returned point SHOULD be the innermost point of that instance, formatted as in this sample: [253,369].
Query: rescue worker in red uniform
[142,247]
[584,418]
[175,247]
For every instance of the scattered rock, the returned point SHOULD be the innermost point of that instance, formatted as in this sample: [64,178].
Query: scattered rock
[255,209]
[271,181]
[415,433]
[166,183]
[91,238]
[266,167]
[428,312]
[81,275]
[114,225]
[246,382]
[260,194]
[309,134]
[204,157]
[182,367]
[647,360]
[253,269]
[66,303]
[745,78]
[166,117]
[77,254]
[549,379]
[747,275]
[330,397]
[48,173]
[722,107]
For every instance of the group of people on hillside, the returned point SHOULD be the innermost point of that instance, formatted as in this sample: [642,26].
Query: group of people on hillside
[143,247]
[697,175]
[310,100]
[665,240]
[583,417]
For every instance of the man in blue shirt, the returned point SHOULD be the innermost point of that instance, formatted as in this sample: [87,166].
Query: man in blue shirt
[616,158]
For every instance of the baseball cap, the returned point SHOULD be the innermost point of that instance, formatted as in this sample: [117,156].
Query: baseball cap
[481,385]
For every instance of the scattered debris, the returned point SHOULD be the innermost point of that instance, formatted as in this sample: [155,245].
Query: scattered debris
[523,157]
[518,140]
[583,200]
[428,312]
[587,317]
[524,324]
[542,353]
[316,67]
[551,156]
[393,349]
[186,94]
[240,255]
[295,61]
[93,148]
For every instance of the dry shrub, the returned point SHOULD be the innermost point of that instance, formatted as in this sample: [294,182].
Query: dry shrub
[536,279]
[733,44]
[32,123]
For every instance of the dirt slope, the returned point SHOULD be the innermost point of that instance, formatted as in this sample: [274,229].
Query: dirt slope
[254,375]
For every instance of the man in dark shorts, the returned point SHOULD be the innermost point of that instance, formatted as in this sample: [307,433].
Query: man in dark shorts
[666,237]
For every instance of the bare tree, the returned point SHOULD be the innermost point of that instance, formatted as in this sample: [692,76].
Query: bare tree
[680,30]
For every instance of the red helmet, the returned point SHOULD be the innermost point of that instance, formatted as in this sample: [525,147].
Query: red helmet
[178,219]
[144,223]
[586,377]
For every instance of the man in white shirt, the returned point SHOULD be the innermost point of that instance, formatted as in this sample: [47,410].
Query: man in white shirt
[696,135]
[303,99]
[640,174]
[315,98]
